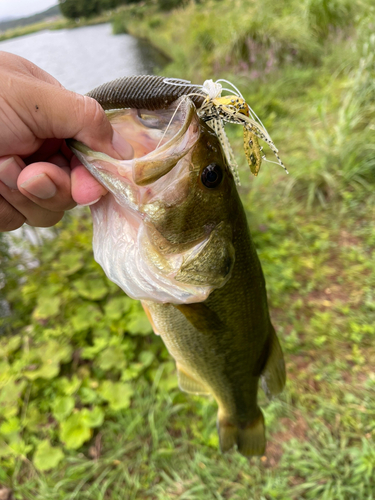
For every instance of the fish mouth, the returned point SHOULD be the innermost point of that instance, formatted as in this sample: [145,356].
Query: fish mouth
[159,140]
[140,190]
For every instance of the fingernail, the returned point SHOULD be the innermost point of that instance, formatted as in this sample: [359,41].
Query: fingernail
[88,204]
[40,186]
[9,172]
[123,148]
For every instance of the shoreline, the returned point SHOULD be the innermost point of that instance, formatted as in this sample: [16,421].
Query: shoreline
[55,24]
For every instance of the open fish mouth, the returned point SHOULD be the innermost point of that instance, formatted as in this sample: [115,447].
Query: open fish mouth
[159,140]
[147,262]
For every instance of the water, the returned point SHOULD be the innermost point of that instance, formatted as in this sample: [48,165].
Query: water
[82,58]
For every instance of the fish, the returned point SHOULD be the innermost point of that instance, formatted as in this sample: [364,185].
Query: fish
[172,232]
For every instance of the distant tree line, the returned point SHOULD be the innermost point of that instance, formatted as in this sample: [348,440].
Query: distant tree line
[25,21]
[73,9]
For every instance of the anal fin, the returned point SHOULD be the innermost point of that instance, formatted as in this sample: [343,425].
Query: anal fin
[273,375]
[189,384]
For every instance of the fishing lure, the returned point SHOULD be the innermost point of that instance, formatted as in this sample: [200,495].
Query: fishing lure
[217,110]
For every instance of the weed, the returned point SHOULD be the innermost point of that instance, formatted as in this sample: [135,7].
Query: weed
[89,405]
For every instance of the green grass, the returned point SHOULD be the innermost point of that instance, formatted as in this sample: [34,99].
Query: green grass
[107,401]
[320,277]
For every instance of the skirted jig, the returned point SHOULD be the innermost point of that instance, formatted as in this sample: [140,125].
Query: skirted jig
[217,110]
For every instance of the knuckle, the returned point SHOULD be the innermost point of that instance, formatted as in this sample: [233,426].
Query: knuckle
[10,218]
[71,205]
[49,219]
[93,112]
[61,203]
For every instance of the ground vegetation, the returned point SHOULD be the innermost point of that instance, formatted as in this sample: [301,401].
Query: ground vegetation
[89,404]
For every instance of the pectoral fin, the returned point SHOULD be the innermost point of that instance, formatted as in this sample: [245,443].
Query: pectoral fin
[273,374]
[204,319]
[189,384]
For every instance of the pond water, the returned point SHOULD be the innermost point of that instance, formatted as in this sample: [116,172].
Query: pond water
[83,58]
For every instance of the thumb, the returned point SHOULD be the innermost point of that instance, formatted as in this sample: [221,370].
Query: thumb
[54,112]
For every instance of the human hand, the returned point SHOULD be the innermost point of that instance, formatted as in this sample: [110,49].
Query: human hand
[39,176]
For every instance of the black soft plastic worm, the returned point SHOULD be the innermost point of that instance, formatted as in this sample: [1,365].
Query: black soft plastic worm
[144,92]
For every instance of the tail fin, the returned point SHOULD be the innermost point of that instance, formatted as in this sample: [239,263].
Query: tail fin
[249,438]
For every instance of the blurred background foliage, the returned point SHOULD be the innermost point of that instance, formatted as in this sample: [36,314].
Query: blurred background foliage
[89,404]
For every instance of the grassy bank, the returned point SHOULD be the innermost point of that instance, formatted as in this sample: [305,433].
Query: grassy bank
[306,70]
[89,406]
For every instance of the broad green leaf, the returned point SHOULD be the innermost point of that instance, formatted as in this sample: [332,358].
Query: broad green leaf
[87,395]
[48,291]
[34,419]
[111,358]
[48,357]
[69,386]
[62,407]
[146,358]
[53,350]
[4,449]
[47,307]
[91,288]
[58,331]
[4,371]
[10,426]
[131,372]
[19,447]
[117,394]
[86,316]
[69,263]
[117,307]
[47,457]
[138,323]
[10,392]
[74,431]
[46,371]
[90,352]
[10,344]
[8,411]
[93,418]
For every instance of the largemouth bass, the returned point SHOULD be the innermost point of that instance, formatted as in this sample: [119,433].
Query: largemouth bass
[172,232]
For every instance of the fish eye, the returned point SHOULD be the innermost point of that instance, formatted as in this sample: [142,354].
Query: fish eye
[212,175]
